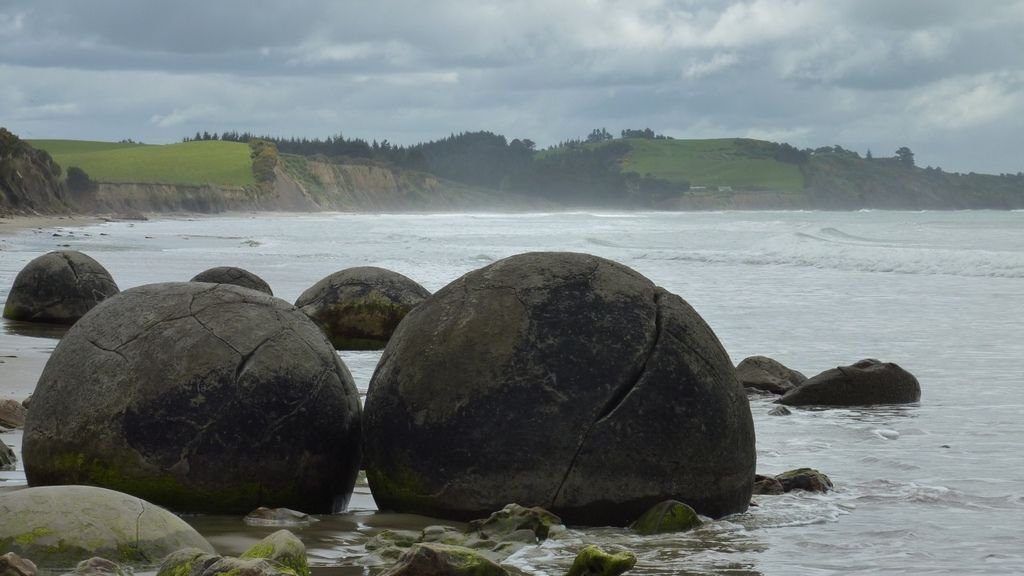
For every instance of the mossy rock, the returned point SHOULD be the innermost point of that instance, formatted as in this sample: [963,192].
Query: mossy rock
[667,516]
[59,526]
[235,276]
[359,308]
[514,518]
[433,559]
[592,561]
[281,547]
[804,479]
[58,287]
[204,398]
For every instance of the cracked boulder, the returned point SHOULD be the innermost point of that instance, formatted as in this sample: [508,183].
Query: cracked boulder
[235,276]
[200,397]
[558,380]
[59,526]
[59,288]
[359,308]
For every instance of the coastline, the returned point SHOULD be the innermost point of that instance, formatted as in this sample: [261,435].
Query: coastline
[13,224]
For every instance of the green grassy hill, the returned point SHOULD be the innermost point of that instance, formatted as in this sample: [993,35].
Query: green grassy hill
[734,162]
[188,163]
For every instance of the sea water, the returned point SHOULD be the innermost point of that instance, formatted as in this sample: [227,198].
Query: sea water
[931,488]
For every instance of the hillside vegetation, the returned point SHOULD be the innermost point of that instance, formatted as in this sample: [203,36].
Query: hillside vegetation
[30,181]
[188,163]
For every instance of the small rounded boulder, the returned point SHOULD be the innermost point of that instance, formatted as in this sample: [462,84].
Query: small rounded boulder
[200,397]
[59,526]
[558,380]
[863,383]
[359,308]
[234,276]
[59,288]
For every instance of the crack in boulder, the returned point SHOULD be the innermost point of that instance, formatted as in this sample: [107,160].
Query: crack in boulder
[617,397]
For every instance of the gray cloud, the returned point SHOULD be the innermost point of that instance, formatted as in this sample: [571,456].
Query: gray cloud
[941,76]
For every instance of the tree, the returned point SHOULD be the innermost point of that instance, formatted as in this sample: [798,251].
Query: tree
[868,155]
[905,156]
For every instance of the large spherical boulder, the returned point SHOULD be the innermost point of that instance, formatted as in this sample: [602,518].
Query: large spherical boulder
[235,276]
[58,287]
[359,308]
[59,526]
[863,383]
[199,397]
[558,380]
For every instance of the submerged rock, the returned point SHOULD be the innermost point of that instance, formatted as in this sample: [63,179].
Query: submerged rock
[97,566]
[667,516]
[279,554]
[235,276]
[804,479]
[763,374]
[359,308]
[559,380]
[864,383]
[264,516]
[513,518]
[592,561]
[433,559]
[60,526]
[58,287]
[200,397]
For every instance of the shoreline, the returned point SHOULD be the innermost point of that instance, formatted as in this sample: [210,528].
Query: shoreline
[14,224]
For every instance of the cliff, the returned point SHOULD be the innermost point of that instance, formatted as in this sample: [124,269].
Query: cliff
[29,179]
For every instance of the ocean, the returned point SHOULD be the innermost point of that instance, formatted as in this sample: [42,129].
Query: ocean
[930,488]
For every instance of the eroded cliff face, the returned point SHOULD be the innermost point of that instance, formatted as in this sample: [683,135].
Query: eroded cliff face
[29,179]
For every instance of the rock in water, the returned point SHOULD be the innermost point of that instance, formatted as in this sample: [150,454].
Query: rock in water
[13,565]
[432,559]
[864,383]
[235,276]
[558,380]
[12,413]
[58,287]
[59,526]
[200,397]
[359,308]
[592,561]
[8,459]
[804,479]
[760,373]
[667,516]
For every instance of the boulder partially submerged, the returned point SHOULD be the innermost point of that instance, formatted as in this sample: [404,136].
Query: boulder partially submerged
[763,374]
[863,383]
[359,308]
[234,276]
[58,287]
[559,380]
[59,526]
[199,397]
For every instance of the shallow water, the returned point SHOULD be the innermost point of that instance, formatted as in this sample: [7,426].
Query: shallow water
[935,488]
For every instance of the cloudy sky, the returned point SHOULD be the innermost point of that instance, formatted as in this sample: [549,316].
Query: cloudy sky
[944,77]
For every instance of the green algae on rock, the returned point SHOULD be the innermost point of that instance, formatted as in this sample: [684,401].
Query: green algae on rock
[434,559]
[59,526]
[592,561]
[667,516]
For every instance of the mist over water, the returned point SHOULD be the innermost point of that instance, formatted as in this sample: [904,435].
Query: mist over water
[934,488]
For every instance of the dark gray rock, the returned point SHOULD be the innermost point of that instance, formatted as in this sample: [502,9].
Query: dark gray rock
[763,374]
[558,380]
[359,308]
[804,479]
[200,397]
[234,276]
[767,485]
[60,526]
[13,565]
[58,287]
[865,383]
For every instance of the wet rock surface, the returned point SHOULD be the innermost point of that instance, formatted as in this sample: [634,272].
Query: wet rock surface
[59,526]
[12,413]
[667,516]
[199,397]
[864,383]
[558,380]
[58,287]
[763,374]
[359,308]
[279,554]
[234,276]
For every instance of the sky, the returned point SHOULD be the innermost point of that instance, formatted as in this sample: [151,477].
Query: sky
[942,77]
